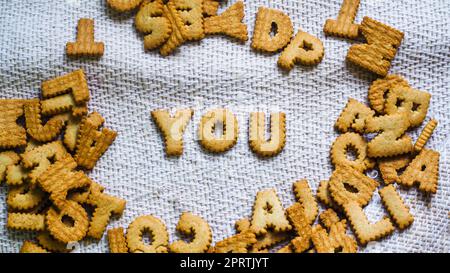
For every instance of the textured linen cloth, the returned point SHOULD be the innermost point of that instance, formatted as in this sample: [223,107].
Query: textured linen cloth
[127,83]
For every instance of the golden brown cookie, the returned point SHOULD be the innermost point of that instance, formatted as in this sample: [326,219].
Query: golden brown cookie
[257,133]
[41,157]
[423,170]
[239,243]
[425,135]
[35,128]
[344,26]
[391,141]
[363,229]
[355,142]
[116,241]
[124,5]
[264,241]
[336,240]
[210,7]
[390,167]
[305,197]
[191,224]
[157,230]
[12,135]
[26,221]
[268,212]
[228,23]
[348,184]
[150,21]
[267,20]
[85,44]
[172,128]
[380,88]
[69,223]
[396,207]
[74,83]
[354,117]
[410,101]
[30,247]
[328,218]
[381,47]
[207,127]
[104,205]
[7,159]
[92,143]
[299,220]
[304,49]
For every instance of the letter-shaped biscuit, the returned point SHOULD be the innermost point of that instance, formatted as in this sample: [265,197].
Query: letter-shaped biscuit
[304,49]
[172,128]
[266,20]
[268,212]
[152,225]
[191,224]
[381,47]
[257,138]
[207,128]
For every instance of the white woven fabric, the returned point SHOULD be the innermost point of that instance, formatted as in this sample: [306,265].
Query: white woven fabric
[127,83]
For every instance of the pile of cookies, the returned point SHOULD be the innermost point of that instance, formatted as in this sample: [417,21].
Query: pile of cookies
[48,191]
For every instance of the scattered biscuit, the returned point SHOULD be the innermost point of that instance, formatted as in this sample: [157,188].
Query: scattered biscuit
[425,135]
[269,239]
[297,216]
[35,128]
[85,44]
[191,224]
[172,128]
[26,221]
[51,244]
[336,241]
[305,197]
[328,218]
[24,197]
[304,49]
[347,184]
[268,212]
[12,135]
[423,170]
[207,127]
[381,47]
[156,229]
[150,21]
[396,207]
[392,140]
[37,160]
[7,159]
[363,229]
[273,30]
[391,166]
[354,117]
[380,88]
[239,243]
[74,83]
[69,223]
[324,196]
[410,101]
[124,5]
[257,133]
[104,205]
[30,247]
[344,26]
[116,241]
[351,142]
[92,143]
[229,22]
[210,7]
